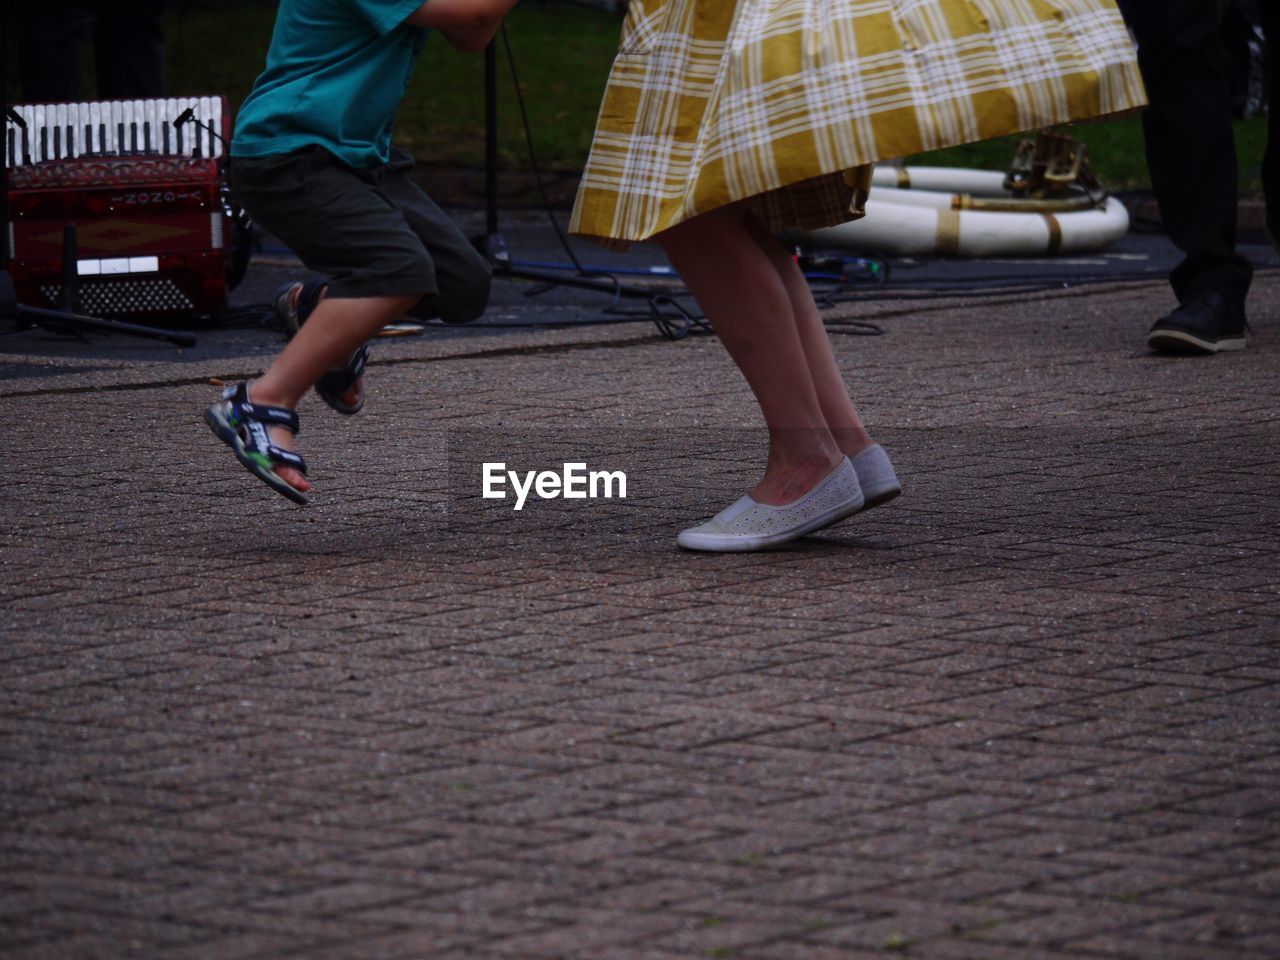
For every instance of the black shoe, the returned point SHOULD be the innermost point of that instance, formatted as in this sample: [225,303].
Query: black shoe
[1207,323]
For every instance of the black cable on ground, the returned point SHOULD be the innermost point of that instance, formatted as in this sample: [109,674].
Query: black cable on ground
[978,287]
[674,321]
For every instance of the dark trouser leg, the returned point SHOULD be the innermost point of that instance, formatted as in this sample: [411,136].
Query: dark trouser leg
[462,275]
[1270,10]
[1190,148]
[51,36]
[128,43]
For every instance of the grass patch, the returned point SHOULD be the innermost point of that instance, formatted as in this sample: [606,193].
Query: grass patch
[1116,152]
[563,53]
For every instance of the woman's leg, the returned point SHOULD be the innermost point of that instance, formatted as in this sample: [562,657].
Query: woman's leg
[749,307]
[330,336]
[837,409]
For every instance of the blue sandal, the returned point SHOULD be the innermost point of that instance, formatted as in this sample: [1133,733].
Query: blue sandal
[242,425]
[335,383]
[293,312]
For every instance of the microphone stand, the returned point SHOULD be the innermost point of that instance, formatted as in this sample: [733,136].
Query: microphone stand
[493,246]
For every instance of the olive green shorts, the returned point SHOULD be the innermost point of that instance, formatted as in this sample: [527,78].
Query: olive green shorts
[372,232]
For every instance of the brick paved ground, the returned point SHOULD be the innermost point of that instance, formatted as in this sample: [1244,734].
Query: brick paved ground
[1028,710]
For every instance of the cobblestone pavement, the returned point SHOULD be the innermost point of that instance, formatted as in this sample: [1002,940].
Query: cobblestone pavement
[1028,710]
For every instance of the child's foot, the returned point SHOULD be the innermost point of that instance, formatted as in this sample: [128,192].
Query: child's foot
[341,388]
[261,436]
[282,438]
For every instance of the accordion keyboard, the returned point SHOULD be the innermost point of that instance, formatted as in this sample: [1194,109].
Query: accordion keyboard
[174,126]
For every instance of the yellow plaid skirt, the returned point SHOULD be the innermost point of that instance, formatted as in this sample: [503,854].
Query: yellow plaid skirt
[785,103]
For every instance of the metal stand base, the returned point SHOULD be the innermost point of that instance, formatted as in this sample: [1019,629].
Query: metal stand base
[671,319]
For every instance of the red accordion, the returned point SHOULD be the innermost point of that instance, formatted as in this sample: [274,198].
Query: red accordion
[144,183]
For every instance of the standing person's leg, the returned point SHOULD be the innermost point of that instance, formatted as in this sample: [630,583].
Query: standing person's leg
[749,307]
[51,36]
[1270,12]
[128,45]
[1236,33]
[833,396]
[876,475]
[1192,160]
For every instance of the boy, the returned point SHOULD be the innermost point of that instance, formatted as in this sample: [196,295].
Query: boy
[312,163]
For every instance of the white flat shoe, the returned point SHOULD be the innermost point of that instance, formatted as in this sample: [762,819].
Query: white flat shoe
[748,525]
[876,476]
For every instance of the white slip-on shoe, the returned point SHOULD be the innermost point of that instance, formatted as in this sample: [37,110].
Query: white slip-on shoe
[748,525]
[876,477]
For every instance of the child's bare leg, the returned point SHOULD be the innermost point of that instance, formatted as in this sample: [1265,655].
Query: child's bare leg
[352,397]
[333,332]
[837,408]
[748,304]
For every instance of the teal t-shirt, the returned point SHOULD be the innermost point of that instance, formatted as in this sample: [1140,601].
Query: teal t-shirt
[336,71]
